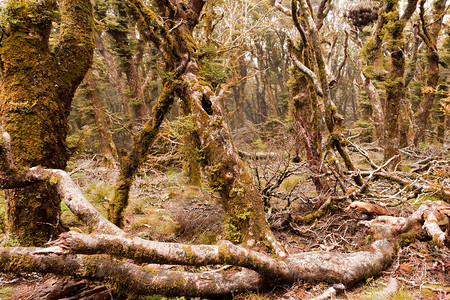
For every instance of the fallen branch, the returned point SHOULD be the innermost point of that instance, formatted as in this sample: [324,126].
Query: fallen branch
[129,277]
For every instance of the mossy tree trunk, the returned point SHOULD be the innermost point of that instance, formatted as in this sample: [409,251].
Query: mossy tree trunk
[245,218]
[389,29]
[130,163]
[108,147]
[430,38]
[321,80]
[37,87]
[306,113]
[395,81]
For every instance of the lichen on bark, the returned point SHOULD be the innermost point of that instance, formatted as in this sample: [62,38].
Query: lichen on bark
[36,92]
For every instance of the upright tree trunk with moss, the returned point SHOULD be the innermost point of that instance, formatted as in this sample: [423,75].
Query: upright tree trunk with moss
[108,147]
[394,92]
[430,37]
[119,30]
[306,113]
[131,163]
[37,87]
[395,81]
[389,29]
[245,218]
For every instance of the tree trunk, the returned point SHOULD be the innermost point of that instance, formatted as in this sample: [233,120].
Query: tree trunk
[307,116]
[432,67]
[394,93]
[108,147]
[37,88]
[240,95]
[245,219]
[119,31]
[130,163]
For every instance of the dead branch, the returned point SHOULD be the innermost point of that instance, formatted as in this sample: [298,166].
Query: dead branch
[282,8]
[129,277]
[338,73]
[259,155]
[358,206]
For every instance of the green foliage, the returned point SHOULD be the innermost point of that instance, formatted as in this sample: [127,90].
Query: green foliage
[16,12]
[366,130]
[364,104]
[184,128]
[214,72]
[283,102]
[77,141]
[157,223]
[99,195]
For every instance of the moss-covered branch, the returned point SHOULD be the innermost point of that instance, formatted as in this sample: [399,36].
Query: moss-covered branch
[75,45]
[142,143]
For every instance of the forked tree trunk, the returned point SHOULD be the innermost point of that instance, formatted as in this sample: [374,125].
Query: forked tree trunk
[37,88]
[245,219]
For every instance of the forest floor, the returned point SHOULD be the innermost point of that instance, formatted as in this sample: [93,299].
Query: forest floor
[164,207]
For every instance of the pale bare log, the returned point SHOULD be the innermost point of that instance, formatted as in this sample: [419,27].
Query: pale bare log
[68,190]
[129,277]
[145,251]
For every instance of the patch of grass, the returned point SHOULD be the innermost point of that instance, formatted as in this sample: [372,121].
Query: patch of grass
[253,296]
[416,202]
[171,171]
[5,292]
[159,297]
[156,223]
[99,195]
[206,238]
[289,183]
[137,206]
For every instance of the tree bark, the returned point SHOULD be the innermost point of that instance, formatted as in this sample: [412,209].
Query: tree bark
[108,146]
[119,31]
[37,88]
[432,70]
[130,163]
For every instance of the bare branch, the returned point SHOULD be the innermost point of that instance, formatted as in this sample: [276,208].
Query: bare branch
[338,73]
[322,12]
[281,8]
[299,27]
